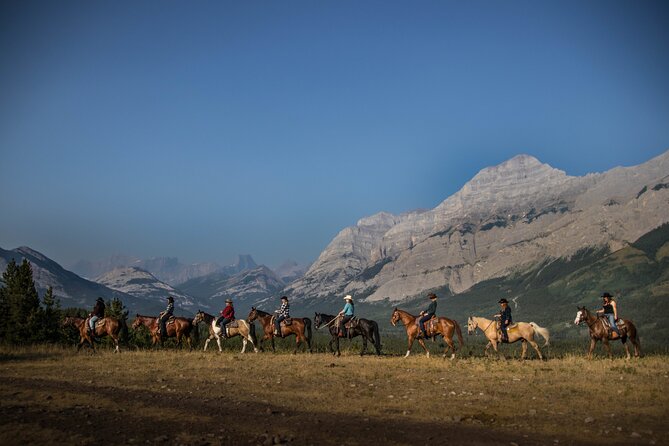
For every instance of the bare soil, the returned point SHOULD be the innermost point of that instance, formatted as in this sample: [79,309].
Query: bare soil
[56,396]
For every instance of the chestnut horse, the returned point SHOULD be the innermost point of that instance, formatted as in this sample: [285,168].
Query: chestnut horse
[436,326]
[600,332]
[243,329]
[179,328]
[521,331]
[107,326]
[300,327]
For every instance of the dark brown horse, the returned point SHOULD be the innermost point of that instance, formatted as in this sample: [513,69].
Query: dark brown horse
[178,328]
[300,327]
[437,326]
[600,332]
[107,326]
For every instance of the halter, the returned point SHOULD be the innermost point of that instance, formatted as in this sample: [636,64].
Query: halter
[484,330]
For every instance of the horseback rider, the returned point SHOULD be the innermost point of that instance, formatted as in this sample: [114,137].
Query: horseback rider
[504,318]
[610,311]
[227,316]
[97,313]
[165,315]
[428,313]
[282,313]
[345,315]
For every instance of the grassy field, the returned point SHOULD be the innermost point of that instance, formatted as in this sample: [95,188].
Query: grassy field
[52,395]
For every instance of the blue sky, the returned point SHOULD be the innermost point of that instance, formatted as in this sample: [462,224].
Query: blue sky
[206,129]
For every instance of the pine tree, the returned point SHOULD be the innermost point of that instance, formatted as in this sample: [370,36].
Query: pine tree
[21,303]
[116,309]
[51,317]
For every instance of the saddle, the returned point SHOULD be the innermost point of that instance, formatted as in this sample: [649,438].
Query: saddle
[99,323]
[233,324]
[620,323]
[171,320]
[430,326]
[352,323]
[286,321]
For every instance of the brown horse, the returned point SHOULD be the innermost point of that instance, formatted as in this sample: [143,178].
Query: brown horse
[300,327]
[241,328]
[521,331]
[107,326]
[436,326]
[179,328]
[600,332]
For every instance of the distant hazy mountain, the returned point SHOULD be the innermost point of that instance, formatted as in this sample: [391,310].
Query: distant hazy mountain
[166,269]
[290,270]
[72,290]
[506,220]
[245,287]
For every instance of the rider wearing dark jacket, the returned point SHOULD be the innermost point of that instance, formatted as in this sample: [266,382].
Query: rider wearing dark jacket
[165,315]
[97,313]
[504,318]
[428,313]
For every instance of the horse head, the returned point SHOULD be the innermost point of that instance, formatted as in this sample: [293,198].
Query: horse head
[137,322]
[581,315]
[253,315]
[199,317]
[471,325]
[317,320]
[395,317]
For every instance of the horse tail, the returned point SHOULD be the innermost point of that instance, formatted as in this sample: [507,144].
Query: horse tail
[307,326]
[377,337]
[542,331]
[124,329]
[459,333]
[252,331]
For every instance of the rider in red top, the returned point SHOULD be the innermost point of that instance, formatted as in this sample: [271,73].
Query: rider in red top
[227,315]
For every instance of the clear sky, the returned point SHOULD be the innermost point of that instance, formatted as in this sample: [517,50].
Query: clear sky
[206,129]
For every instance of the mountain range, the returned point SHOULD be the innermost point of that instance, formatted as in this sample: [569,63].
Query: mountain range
[522,229]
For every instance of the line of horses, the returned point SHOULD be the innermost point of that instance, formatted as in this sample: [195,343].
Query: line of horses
[180,328]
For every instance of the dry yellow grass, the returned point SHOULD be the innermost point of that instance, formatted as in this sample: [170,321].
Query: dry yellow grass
[50,395]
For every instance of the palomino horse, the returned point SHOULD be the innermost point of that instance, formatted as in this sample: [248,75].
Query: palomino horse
[107,326]
[179,328]
[436,326]
[521,331]
[369,330]
[241,328]
[300,327]
[600,332]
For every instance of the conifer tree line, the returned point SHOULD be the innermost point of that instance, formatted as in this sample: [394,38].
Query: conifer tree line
[25,319]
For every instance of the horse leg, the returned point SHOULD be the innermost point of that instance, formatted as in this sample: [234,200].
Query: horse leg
[332,350]
[523,352]
[337,343]
[593,342]
[298,341]
[449,346]
[605,341]
[218,341]
[364,344]
[422,344]
[487,349]
[409,347]
[535,346]
[206,343]
[116,349]
[244,342]
[273,346]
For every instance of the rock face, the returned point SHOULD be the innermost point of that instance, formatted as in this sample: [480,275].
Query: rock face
[506,219]
[140,283]
[290,271]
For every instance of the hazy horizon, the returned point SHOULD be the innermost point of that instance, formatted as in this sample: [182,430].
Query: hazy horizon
[204,131]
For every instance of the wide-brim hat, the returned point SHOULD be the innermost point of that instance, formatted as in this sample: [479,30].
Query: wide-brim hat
[431,296]
[228,301]
[503,301]
[348,297]
[606,295]
[284,297]
[170,298]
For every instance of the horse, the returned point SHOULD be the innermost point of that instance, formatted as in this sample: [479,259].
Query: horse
[107,326]
[240,328]
[600,332]
[300,327]
[369,330]
[520,331]
[436,326]
[179,328]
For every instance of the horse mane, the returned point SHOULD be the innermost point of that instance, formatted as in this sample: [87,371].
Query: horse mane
[262,313]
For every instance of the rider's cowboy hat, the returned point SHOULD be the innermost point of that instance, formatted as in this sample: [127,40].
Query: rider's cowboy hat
[431,296]
[348,297]
[228,301]
[170,298]
[284,297]
[607,295]
[503,301]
